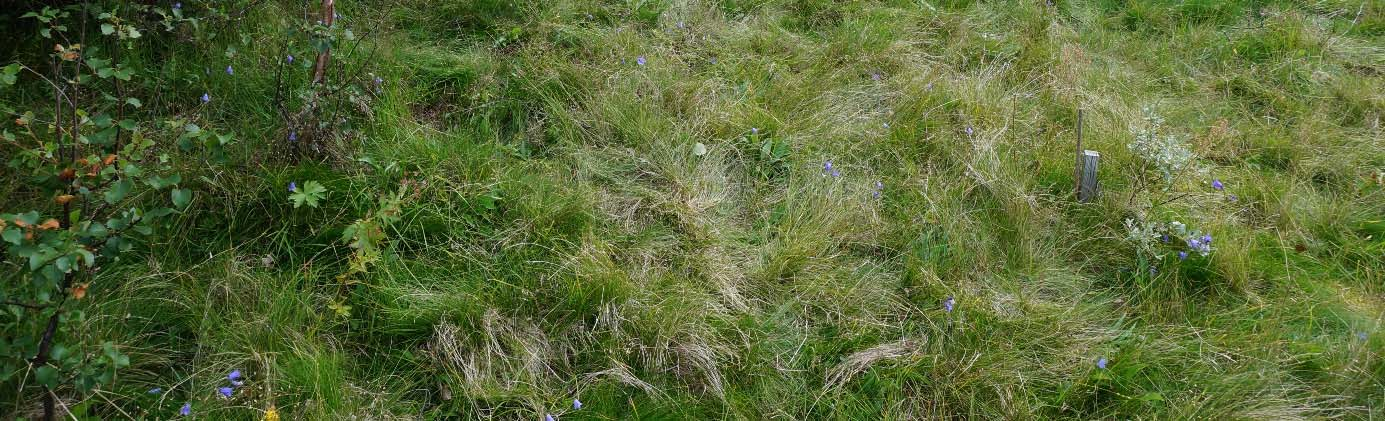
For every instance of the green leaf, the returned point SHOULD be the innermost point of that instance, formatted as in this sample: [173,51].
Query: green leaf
[107,29]
[95,229]
[159,213]
[47,376]
[87,258]
[13,236]
[58,353]
[9,74]
[310,193]
[119,190]
[102,120]
[181,198]
[30,217]
[161,182]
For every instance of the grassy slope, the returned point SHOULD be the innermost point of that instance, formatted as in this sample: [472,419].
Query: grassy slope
[619,267]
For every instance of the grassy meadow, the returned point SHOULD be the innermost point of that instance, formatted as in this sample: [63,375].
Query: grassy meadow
[757,209]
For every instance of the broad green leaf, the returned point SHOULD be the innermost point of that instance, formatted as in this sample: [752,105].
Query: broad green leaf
[133,101]
[47,376]
[102,120]
[88,258]
[159,213]
[9,74]
[58,352]
[161,182]
[95,229]
[119,190]
[30,217]
[181,198]
[13,236]
[107,29]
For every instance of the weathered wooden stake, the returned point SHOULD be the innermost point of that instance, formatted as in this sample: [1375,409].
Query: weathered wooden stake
[1087,184]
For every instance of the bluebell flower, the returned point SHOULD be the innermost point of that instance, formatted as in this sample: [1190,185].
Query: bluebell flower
[156,391]
[548,417]
[1361,335]
[289,58]
[640,60]
[875,76]
[576,404]
[1194,243]
[186,410]
[229,70]
[1182,255]
[879,188]
[1217,185]
[1231,197]
[225,391]
[177,6]
[754,130]
[235,376]
[293,186]
[1164,238]
[949,303]
[293,136]
[1207,239]
[1101,363]
[206,97]
[968,130]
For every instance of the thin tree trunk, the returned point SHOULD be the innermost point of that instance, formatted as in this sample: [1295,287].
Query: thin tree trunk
[320,68]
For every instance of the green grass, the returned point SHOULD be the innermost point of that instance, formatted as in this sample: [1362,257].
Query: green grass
[559,238]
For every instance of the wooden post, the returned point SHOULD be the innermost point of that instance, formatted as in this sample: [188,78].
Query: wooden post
[1087,188]
[1077,169]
